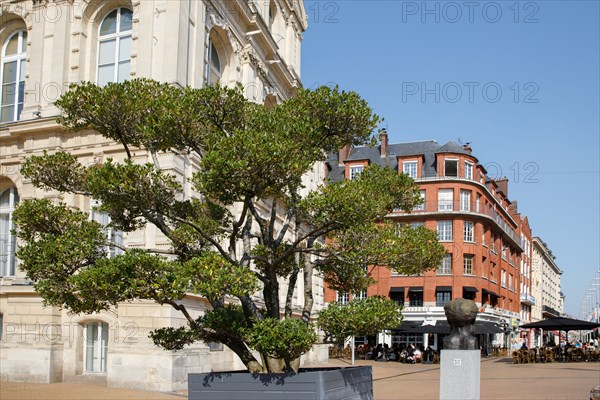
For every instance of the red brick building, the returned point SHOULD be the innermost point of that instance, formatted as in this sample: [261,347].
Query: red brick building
[488,243]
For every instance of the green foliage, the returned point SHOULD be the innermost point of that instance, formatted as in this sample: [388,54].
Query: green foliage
[359,317]
[287,338]
[366,199]
[214,277]
[241,227]
[218,325]
[170,338]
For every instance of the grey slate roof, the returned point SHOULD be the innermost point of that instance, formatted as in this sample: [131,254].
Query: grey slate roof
[428,149]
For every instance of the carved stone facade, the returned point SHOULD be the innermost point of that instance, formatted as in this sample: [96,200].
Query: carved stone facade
[46,45]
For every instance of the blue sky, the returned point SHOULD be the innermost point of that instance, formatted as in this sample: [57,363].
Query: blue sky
[518,80]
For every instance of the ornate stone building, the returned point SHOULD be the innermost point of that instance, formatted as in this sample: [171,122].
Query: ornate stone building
[46,45]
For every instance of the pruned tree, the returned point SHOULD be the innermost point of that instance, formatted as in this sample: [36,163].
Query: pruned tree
[244,229]
[367,316]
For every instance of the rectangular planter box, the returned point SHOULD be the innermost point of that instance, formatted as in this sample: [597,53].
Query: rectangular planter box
[354,383]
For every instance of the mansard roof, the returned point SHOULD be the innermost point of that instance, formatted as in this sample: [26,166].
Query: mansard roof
[426,149]
[452,147]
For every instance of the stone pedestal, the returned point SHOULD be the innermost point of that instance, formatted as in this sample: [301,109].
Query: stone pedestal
[460,375]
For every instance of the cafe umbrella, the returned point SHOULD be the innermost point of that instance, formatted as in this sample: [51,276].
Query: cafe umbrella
[562,324]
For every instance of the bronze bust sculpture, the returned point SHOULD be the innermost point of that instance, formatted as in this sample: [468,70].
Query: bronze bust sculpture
[461,314]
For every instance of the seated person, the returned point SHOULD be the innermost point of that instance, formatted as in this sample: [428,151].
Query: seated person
[393,354]
[418,355]
[378,353]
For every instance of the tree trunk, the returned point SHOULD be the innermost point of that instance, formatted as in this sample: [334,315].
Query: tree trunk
[239,348]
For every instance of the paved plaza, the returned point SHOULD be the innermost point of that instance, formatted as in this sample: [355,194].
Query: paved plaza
[500,379]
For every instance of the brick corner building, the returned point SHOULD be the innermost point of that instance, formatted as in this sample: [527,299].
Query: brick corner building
[488,242]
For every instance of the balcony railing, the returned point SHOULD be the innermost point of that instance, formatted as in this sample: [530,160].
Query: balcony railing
[454,206]
[527,299]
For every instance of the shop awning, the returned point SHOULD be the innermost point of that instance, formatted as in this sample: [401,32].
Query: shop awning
[415,289]
[490,292]
[443,288]
[396,290]
[470,289]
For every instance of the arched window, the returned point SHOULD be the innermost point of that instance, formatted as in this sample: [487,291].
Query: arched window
[96,346]
[114,47]
[214,64]
[8,242]
[13,76]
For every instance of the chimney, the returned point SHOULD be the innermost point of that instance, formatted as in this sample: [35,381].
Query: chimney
[503,185]
[514,207]
[384,142]
[467,147]
[343,154]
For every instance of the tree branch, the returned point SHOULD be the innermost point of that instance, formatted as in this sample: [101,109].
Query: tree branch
[207,237]
[258,218]
[184,311]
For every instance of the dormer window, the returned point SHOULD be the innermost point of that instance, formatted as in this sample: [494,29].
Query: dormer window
[410,168]
[355,171]
[451,168]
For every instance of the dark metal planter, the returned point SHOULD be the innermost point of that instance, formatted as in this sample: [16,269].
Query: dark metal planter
[352,383]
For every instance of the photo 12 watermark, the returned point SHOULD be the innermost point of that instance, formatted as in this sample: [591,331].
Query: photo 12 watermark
[516,172]
[453,12]
[470,92]
[326,12]
[68,332]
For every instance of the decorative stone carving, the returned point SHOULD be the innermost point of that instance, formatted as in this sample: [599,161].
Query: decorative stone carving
[248,55]
[461,314]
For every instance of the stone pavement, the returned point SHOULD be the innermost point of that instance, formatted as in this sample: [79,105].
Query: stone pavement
[392,381]
[500,380]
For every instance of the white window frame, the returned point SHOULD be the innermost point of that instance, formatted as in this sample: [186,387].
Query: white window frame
[354,171]
[416,224]
[342,298]
[422,205]
[468,264]
[468,231]
[503,280]
[361,295]
[410,168]
[444,230]
[445,199]
[468,170]
[98,347]
[112,235]
[454,160]
[445,267]
[465,200]
[20,59]
[118,37]
[8,245]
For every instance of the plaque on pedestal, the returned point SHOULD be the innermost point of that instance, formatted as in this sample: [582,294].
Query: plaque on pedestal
[460,374]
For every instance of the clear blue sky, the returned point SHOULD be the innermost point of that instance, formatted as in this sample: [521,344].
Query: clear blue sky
[518,80]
